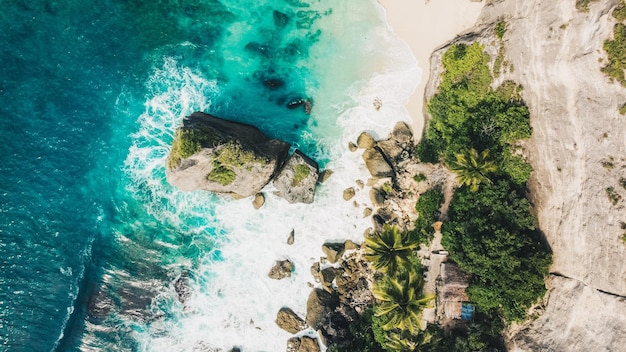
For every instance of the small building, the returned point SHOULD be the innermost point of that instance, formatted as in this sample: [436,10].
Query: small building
[451,295]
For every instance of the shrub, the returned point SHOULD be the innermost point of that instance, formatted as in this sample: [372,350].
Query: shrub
[620,12]
[500,29]
[616,52]
[301,173]
[614,197]
[419,177]
[583,5]
[427,208]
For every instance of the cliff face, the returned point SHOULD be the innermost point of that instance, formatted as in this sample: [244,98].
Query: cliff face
[578,151]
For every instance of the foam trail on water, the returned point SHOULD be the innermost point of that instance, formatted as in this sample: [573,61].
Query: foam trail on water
[234,303]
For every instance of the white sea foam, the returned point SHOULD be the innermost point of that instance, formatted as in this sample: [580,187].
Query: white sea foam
[234,303]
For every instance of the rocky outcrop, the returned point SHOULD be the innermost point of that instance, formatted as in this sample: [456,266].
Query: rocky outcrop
[345,295]
[281,269]
[297,179]
[212,154]
[556,52]
[383,157]
[586,320]
[289,321]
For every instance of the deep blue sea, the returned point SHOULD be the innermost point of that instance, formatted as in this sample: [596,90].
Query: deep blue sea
[94,242]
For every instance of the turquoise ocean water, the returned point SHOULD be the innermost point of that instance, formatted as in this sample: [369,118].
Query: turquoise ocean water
[94,242]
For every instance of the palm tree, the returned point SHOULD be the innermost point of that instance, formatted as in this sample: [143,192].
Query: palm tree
[401,301]
[390,249]
[403,342]
[472,168]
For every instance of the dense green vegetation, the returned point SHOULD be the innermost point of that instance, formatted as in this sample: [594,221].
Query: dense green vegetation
[468,114]
[395,322]
[490,233]
[302,172]
[427,208]
[473,168]
[222,174]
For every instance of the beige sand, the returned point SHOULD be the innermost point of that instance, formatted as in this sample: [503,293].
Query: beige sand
[425,25]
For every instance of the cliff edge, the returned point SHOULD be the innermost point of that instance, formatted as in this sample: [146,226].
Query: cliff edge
[578,153]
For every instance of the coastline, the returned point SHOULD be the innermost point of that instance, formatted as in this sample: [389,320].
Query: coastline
[424,25]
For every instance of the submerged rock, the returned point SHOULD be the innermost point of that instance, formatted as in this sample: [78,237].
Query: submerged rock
[212,154]
[281,269]
[297,179]
[182,288]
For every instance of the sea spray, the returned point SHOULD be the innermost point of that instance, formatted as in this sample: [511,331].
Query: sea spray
[224,246]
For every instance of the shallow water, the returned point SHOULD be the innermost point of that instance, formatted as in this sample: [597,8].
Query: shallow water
[92,238]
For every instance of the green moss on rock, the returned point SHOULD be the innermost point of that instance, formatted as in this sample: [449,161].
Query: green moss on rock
[187,142]
[234,155]
[222,175]
[302,172]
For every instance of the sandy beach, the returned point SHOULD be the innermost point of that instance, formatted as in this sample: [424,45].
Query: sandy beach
[425,25]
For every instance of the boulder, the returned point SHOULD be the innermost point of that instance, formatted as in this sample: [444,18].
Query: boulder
[402,133]
[289,321]
[329,274]
[296,180]
[259,200]
[377,196]
[377,164]
[302,344]
[350,245]
[392,149]
[325,175]
[348,193]
[281,269]
[352,147]
[319,306]
[217,155]
[333,251]
[365,141]
[308,344]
